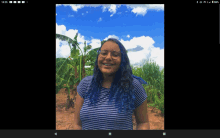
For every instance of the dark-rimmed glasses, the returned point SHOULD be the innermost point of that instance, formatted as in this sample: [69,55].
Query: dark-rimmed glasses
[114,54]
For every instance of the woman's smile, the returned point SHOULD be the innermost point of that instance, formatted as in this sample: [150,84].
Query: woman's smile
[107,66]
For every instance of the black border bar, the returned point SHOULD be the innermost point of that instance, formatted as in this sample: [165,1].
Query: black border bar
[114,133]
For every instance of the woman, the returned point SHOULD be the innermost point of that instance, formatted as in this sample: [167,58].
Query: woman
[107,100]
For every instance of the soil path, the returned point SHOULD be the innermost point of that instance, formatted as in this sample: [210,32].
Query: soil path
[64,118]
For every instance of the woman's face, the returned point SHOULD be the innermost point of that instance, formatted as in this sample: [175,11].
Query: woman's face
[108,58]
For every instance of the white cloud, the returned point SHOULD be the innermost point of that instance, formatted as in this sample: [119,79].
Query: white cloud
[111,7]
[56,14]
[71,33]
[146,42]
[158,56]
[141,9]
[100,19]
[148,6]
[60,29]
[75,7]
[155,6]
[111,36]
[95,43]
[138,9]
[63,51]
[86,11]
[155,54]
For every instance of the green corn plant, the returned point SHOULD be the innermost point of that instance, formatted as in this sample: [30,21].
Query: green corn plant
[149,71]
[155,78]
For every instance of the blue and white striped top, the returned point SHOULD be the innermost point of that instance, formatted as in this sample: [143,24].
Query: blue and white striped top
[104,116]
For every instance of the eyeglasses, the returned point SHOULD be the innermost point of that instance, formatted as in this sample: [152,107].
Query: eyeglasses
[104,53]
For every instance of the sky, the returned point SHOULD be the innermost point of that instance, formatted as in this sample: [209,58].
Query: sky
[139,27]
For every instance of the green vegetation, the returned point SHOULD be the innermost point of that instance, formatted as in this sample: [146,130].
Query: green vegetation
[71,70]
[155,78]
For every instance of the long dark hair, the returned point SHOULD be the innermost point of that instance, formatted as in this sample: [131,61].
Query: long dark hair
[122,88]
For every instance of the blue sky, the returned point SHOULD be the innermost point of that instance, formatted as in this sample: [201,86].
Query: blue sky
[139,27]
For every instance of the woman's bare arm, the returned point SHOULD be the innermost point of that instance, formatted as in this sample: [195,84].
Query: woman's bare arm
[78,105]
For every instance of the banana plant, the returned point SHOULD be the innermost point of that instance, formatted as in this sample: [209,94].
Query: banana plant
[74,53]
[75,59]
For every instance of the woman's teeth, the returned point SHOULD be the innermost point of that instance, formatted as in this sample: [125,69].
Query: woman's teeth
[108,64]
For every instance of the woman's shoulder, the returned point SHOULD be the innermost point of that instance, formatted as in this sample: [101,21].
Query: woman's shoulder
[135,81]
[137,84]
[84,83]
[138,80]
[87,79]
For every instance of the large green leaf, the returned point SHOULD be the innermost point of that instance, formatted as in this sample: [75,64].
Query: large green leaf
[64,38]
[69,40]
[88,47]
[76,36]
[93,53]
[91,57]
[76,53]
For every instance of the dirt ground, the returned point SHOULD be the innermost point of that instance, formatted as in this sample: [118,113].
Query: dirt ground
[64,118]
